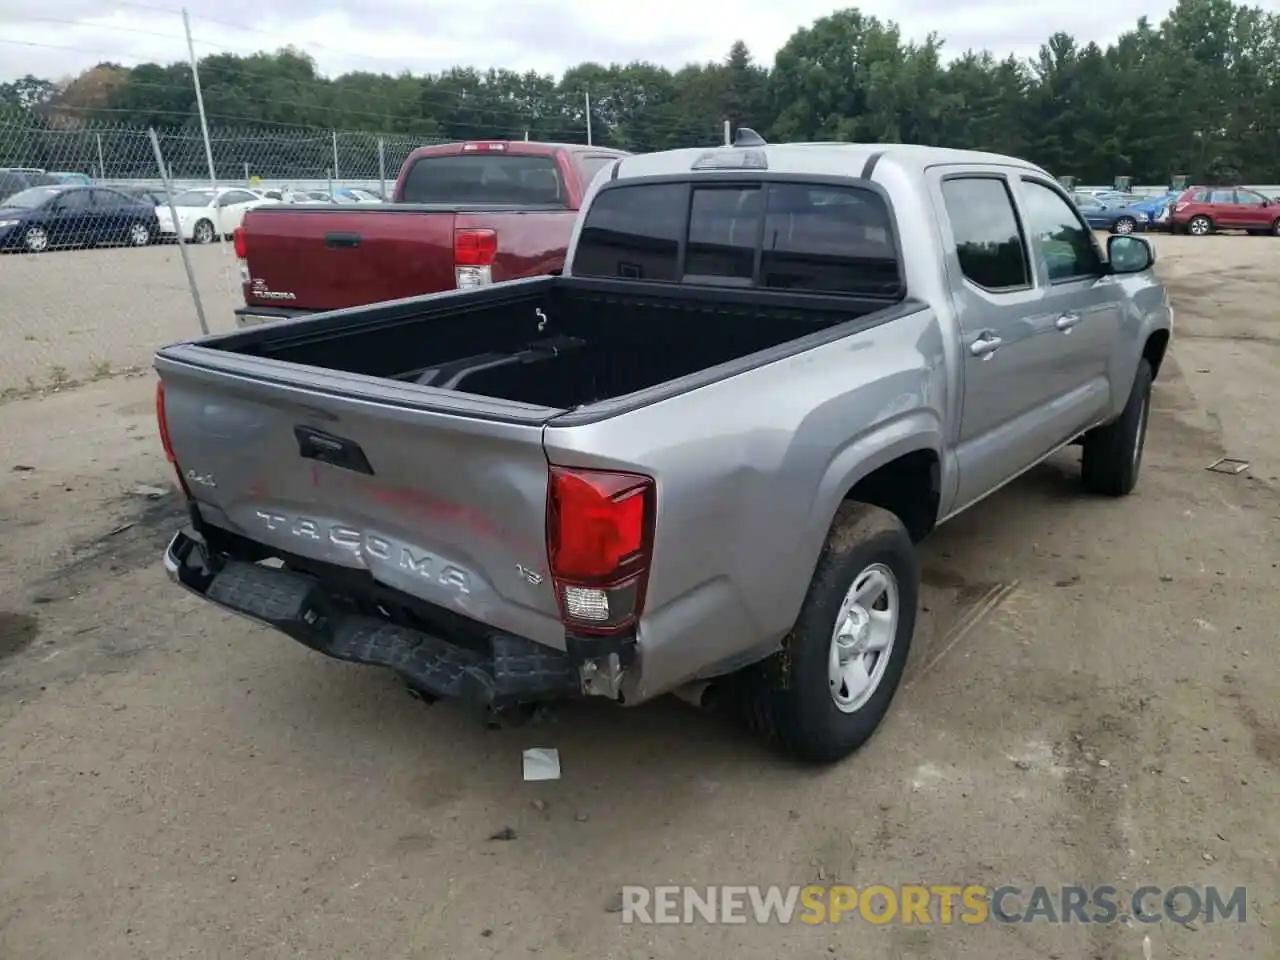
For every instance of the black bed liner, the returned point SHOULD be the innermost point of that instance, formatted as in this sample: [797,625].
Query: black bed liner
[558,342]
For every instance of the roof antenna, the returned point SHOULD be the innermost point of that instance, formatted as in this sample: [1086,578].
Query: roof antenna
[746,137]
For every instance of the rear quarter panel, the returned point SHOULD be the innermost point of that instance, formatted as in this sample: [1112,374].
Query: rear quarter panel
[529,244]
[750,471]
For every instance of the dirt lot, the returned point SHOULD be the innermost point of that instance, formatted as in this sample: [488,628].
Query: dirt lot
[74,315]
[176,782]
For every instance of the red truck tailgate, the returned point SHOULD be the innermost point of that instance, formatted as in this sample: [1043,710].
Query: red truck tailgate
[328,259]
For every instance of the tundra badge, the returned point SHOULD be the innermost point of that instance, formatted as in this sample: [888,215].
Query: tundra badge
[262,293]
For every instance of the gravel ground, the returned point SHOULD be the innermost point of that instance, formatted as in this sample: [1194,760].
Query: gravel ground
[177,782]
[75,315]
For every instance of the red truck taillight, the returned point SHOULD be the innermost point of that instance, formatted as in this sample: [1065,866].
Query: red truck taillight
[600,546]
[474,251]
[162,421]
[242,253]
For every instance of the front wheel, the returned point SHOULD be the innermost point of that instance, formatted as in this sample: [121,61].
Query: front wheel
[36,240]
[1275,228]
[824,694]
[1112,454]
[1124,225]
[1200,226]
[203,232]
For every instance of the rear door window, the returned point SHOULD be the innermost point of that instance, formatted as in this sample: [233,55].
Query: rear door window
[802,237]
[987,235]
[484,178]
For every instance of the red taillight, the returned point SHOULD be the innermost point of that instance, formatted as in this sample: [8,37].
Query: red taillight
[599,545]
[237,238]
[162,421]
[493,146]
[475,247]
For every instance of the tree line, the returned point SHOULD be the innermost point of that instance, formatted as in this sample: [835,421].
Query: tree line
[1198,94]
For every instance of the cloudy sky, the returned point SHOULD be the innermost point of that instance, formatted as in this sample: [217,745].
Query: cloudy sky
[57,38]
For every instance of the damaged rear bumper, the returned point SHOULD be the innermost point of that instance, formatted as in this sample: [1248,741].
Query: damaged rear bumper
[506,670]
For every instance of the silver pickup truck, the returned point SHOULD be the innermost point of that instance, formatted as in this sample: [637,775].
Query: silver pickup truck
[700,456]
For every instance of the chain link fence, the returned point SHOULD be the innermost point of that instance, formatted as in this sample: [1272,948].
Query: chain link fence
[92,281]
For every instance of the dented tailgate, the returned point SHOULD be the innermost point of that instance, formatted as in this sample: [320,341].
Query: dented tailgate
[443,498]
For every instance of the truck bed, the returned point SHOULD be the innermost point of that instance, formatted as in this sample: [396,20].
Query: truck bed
[554,342]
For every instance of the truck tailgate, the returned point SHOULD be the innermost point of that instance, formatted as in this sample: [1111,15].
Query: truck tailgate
[446,506]
[331,258]
[322,258]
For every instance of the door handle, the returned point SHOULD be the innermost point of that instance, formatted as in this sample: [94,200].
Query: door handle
[985,345]
[1067,321]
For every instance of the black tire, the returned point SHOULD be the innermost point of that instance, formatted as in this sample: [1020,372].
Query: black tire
[1275,228]
[1112,455]
[1124,225]
[1200,226]
[788,698]
[203,232]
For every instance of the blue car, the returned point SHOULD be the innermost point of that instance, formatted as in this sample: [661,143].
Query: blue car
[1157,206]
[1124,218]
[58,216]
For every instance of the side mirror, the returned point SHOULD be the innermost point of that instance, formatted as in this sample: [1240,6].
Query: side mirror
[1129,254]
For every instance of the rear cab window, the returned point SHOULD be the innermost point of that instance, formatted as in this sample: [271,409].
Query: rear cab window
[485,177]
[987,235]
[766,234]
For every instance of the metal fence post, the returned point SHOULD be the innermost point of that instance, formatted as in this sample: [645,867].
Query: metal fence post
[182,247]
[382,167]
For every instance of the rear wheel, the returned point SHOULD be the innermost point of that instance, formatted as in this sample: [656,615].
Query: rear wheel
[1112,454]
[203,232]
[1124,225]
[825,693]
[1200,226]
[139,234]
[1275,228]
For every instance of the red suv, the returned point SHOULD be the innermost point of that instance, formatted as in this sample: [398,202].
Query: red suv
[1201,210]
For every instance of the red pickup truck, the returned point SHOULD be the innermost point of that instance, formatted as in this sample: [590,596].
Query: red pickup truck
[461,215]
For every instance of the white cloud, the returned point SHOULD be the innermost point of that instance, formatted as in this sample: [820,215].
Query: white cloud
[542,35]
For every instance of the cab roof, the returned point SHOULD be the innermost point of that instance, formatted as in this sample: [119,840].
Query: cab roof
[817,159]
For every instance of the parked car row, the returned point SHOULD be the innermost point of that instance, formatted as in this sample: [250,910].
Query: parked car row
[337,195]
[1197,210]
[50,215]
